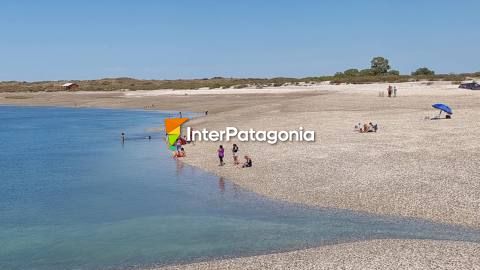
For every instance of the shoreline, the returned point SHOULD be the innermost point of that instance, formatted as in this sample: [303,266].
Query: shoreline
[417,182]
[371,254]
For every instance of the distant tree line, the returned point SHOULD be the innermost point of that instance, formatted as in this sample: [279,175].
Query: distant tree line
[379,71]
[379,66]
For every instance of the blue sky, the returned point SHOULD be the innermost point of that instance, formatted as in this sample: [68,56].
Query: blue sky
[53,40]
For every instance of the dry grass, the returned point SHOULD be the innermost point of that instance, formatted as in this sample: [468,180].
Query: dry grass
[113,84]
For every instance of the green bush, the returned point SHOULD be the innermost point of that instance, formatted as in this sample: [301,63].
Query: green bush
[379,65]
[366,72]
[394,72]
[240,86]
[351,72]
[423,72]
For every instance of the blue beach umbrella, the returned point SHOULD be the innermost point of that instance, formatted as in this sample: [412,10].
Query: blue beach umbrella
[442,107]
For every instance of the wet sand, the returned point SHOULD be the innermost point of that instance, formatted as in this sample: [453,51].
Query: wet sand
[412,167]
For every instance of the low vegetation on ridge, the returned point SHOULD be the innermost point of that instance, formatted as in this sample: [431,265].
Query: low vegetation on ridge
[379,71]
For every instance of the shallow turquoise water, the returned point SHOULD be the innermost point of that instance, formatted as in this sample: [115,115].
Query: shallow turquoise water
[72,196]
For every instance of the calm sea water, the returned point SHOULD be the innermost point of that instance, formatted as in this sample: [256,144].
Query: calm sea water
[72,196]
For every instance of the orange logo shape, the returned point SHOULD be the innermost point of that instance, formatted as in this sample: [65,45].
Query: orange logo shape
[173,130]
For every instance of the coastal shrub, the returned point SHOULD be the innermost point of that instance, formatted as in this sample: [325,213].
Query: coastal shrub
[394,72]
[240,86]
[423,72]
[366,72]
[351,72]
[113,84]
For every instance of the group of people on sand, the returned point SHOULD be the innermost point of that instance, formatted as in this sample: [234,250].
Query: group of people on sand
[370,127]
[180,153]
[235,152]
[392,91]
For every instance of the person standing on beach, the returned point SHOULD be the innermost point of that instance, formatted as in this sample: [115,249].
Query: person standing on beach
[395,91]
[235,154]
[123,137]
[221,154]
[179,144]
[180,113]
[389,91]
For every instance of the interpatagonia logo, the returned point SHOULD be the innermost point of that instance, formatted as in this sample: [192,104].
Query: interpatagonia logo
[251,135]
[173,130]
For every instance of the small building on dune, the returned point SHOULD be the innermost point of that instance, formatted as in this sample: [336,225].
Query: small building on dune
[70,86]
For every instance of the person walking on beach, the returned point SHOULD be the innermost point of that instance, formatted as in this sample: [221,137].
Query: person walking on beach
[394,91]
[389,90]
[221,154]
[235,154]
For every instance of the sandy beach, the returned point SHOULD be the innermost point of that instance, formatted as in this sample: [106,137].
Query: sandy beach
[411,167]
[377,254]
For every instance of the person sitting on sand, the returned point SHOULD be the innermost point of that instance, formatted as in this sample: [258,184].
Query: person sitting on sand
[365,128]
[248,162]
